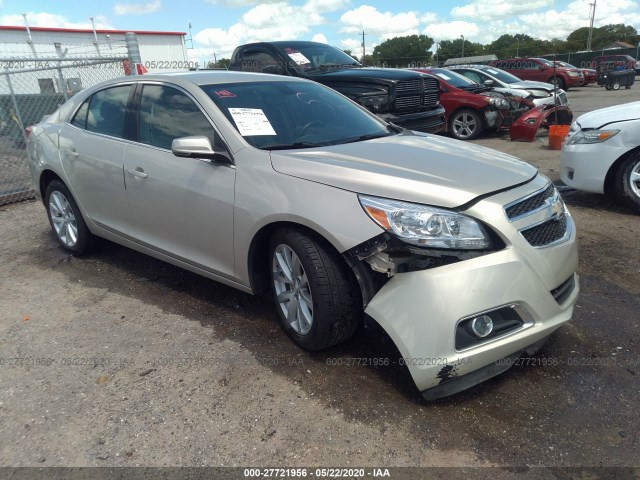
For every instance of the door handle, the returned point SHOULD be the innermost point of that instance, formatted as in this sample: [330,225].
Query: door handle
[137,172]
[72,152]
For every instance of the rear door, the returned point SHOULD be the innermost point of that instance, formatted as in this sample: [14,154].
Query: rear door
[92,149]
[182,207]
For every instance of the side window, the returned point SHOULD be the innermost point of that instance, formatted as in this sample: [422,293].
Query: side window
[261,62]
[80,118]
[167,113]
[107,109]
[476,77]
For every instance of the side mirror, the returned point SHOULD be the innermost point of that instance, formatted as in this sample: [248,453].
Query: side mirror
[198,147]
[488,83]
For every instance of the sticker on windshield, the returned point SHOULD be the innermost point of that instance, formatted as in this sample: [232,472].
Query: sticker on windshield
[251,121]
[299,58]
[224,94]
[442,75]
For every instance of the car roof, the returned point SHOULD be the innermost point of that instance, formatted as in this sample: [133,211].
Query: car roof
[201,77]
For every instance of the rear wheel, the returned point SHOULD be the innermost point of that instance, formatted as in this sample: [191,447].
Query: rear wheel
[66,220]
[316,296]
[628,182]
[465,124]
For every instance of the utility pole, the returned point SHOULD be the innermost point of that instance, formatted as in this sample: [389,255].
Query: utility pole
[462,46]
[592,7]
[363,49]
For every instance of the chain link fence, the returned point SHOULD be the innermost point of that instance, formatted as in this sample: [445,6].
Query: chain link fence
[31,89]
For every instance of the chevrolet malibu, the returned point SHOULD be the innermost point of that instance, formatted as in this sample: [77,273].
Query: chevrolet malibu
[466,257]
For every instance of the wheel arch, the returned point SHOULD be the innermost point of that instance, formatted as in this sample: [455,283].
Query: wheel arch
[610,178]
[258,255]
[46,177]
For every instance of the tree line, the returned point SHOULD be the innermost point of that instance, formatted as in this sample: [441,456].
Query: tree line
[416,49]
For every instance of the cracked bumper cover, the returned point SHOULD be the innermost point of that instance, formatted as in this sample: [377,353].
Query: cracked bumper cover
[420,311]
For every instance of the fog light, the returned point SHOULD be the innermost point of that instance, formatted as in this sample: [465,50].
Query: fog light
[570,174]
[482,325]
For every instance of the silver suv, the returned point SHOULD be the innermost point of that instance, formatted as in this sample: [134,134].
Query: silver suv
[466,257]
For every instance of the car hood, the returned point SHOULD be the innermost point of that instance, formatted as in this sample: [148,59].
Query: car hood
[385,74]
[416,168]
[529,84]
[605,116]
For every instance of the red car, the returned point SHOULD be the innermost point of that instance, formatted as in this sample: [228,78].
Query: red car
[471,108]
[541,70]
[590,74]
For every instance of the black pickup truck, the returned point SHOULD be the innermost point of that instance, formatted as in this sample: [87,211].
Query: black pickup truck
[404,97]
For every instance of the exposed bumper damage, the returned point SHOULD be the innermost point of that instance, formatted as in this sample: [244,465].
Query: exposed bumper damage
[426,299]
[527,127]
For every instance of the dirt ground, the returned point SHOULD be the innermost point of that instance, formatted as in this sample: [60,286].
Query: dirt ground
[117,359]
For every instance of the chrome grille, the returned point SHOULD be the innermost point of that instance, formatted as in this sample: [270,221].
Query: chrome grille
[547,232]
[530,204]
[562,98]
[408,102]
[417,93]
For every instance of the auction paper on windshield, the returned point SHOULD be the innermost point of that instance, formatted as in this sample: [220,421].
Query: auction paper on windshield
[251,121]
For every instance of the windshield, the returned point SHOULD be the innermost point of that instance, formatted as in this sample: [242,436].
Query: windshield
[452,78]
[285,115]
[501,75]
[316,57]
[564,64]
[548,63]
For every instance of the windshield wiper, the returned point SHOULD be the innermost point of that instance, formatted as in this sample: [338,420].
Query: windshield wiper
[292,146]
[362,138]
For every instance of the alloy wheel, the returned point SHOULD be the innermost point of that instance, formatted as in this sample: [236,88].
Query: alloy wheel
[63,219]
[292,288]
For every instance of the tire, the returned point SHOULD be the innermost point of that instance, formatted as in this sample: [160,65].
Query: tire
[559,82]
[628,182]
[465,124]
[66,220]
[319,305]
[616,86]
[608,87]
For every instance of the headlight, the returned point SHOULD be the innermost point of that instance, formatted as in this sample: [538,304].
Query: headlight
[574,74]
[426,226]
[374,103]
[538,93]
[498,102]
[591,136]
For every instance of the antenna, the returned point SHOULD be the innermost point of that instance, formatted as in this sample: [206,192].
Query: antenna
[95,35]
[26,22]
[190,36]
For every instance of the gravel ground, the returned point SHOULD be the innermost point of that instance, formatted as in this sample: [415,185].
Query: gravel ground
[117,359]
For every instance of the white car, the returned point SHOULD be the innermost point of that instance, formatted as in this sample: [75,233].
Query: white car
[539,93]
[602,153]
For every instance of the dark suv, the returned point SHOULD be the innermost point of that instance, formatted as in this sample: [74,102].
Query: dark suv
[404,97]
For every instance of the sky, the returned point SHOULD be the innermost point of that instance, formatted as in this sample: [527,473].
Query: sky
[218,26]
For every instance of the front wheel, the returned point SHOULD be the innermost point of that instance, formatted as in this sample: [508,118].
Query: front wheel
[465,124]
[316,296]
[616,86]
[66,220]
[628,182]
[557,82]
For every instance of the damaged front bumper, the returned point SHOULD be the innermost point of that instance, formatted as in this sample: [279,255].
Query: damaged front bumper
[531,290]
[526,127]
